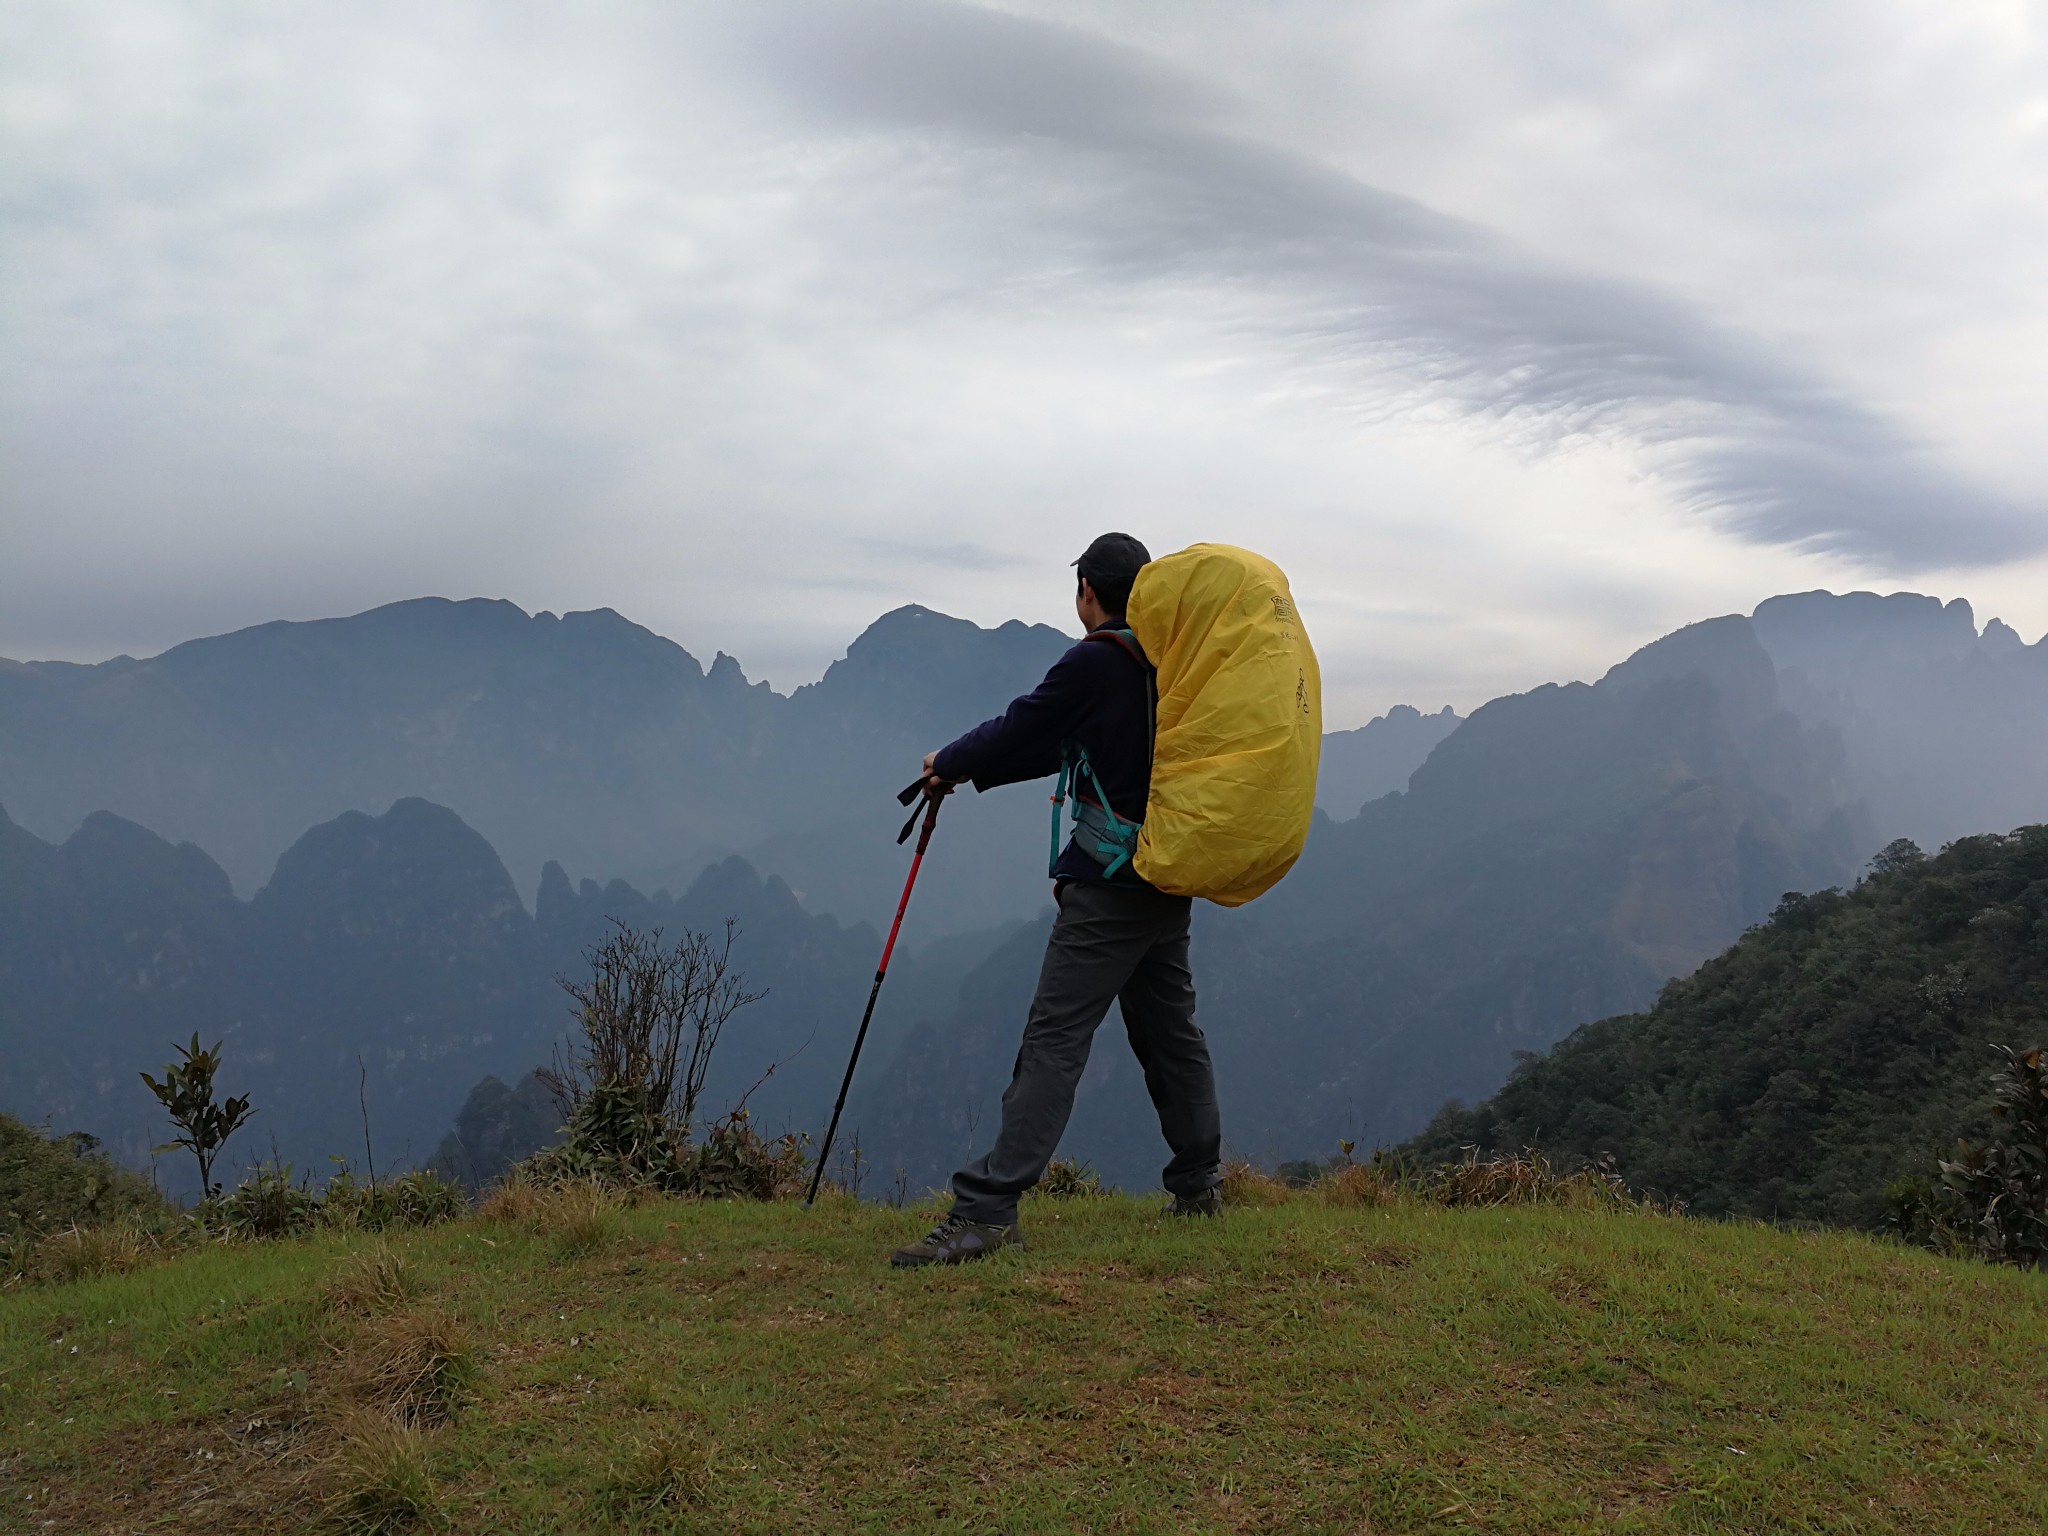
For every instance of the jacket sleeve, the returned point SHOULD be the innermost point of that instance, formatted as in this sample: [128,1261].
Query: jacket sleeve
[1023,742]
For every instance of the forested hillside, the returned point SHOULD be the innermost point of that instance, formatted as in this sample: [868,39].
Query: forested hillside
[1838,1047]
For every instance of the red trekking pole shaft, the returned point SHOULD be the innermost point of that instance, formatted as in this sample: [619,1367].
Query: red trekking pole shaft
[924,841]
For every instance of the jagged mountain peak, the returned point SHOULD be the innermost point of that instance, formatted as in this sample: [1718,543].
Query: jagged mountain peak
[727,675]
[117,859]
[2001,639]
[927,673]
[1377,759]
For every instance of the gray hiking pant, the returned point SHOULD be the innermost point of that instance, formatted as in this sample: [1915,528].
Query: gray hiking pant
[1109,942]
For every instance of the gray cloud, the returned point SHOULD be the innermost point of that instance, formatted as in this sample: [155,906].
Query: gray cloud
[754,320]
[1401,303]
[952,555]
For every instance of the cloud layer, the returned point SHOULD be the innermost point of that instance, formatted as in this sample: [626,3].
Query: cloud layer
[1410,305]
[751,320]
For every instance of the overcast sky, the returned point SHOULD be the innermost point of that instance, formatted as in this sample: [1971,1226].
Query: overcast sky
[1519,333]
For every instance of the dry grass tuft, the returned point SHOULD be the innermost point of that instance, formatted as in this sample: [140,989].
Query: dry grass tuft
[585,1218]
[81,1253]
[582,1215]
[1244,1185]
[372,1283]
[514,1202]
[1354,1186]
[385,1482]
[1066,1179]
[412,1367]
[1530,1179]
[664,1472]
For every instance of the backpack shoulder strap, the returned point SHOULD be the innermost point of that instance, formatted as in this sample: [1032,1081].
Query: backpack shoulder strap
[1123,638]
[1128,641]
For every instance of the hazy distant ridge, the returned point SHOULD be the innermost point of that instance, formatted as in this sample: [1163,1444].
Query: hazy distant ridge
[1553,859]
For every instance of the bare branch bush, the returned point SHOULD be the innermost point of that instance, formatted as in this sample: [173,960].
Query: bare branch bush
[629,1081]
[649,1018]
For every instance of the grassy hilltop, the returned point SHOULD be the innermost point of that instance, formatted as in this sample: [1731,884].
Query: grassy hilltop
[563,1364]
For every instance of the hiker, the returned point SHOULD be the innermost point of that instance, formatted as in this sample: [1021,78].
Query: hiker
[1116,937]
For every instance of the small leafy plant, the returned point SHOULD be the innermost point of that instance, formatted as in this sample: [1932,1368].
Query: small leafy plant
[416,1199]
[186,1094]
[269,1204]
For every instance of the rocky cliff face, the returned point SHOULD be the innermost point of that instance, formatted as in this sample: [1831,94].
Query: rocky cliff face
[147,931]
[1944,730]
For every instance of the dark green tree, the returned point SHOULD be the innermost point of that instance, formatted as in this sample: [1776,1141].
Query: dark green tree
[1991,1199]
[186,1094]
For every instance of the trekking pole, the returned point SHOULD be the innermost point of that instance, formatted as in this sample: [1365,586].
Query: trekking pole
[924,841]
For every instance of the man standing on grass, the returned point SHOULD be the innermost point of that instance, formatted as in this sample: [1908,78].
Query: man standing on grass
[1115,938]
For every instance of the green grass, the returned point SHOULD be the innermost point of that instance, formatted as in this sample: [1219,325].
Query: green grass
[729,1367]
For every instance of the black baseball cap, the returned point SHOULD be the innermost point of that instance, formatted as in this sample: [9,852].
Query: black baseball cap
[1113,559]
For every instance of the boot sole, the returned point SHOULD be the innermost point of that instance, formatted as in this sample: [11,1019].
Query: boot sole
[901,1260]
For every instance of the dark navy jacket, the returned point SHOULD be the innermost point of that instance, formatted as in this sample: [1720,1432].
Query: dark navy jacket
[1098,696]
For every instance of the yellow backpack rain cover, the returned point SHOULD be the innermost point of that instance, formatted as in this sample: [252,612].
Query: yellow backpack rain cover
[1240,724]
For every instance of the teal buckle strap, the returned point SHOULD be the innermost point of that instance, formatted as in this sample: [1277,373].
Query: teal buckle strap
[1111,841]
[1059,800]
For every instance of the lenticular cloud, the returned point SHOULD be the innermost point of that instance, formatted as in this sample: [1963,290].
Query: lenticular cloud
[1113,172]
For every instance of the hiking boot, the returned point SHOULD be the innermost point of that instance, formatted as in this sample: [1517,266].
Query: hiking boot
[1208,1203]
[957,1240]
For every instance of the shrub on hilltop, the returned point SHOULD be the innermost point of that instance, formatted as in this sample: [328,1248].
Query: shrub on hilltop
[52,1183]
[648,1021]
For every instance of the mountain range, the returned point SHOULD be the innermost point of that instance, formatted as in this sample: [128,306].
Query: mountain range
[1555,858]
[583,739]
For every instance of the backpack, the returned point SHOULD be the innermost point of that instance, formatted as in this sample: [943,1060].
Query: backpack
[1238,724]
